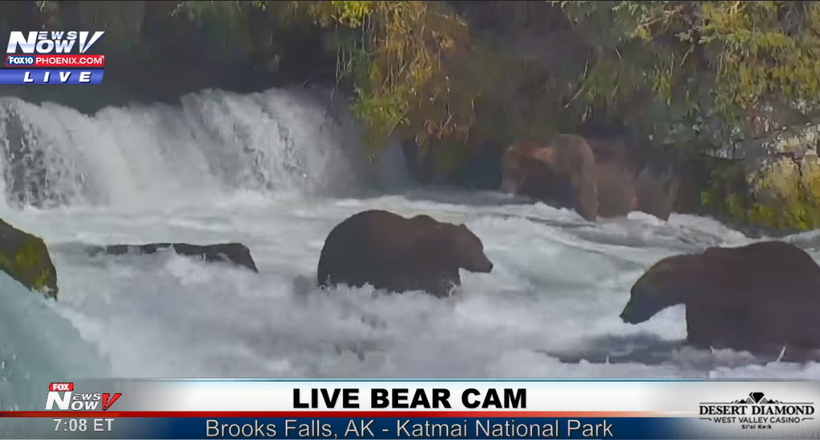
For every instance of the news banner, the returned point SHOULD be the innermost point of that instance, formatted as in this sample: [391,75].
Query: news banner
[414,409]
[52,57]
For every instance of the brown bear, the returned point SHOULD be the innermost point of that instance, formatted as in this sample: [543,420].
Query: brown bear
[613,150]
[652,168]
[400,254]
[762,298]
[616,191]
[560,172]
[657,193]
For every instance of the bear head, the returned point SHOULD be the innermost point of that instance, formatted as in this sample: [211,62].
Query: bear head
[522,161]
[667,283]
[458,245]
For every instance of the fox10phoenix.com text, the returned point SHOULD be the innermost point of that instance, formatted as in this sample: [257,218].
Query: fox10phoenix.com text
[53,57]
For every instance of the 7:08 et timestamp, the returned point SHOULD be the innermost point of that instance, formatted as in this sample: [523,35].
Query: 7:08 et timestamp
[83,425]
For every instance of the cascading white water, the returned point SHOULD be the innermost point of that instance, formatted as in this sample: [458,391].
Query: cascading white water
[273,171]
[216,143]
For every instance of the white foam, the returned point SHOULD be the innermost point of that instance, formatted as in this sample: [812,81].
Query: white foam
[552,290]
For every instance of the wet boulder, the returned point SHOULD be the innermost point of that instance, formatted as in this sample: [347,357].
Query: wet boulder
[233,253]
[25,258]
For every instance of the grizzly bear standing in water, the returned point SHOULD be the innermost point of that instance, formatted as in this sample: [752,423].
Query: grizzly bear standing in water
[761,298]
[561,172]
[617,195]
[652,168]
[398,254]
[657,193]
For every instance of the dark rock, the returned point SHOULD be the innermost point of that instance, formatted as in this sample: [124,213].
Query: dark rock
[481,170]
[233,253]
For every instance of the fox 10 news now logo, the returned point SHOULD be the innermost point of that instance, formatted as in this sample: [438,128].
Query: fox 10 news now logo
[61,396]
[52,57]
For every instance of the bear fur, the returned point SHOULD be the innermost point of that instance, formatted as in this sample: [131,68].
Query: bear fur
[763,298]
[614,151]
[656,194]
[653,169]
[399,254]
[617,194]
[560,172]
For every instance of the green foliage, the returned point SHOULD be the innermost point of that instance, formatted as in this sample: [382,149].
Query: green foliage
[787,199]
[409,63]
[352,13]
[722,61]
[726,192]
[781,198]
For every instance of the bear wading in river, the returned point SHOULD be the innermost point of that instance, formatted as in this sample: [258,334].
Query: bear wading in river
[560,172]
[762,298]
[399,254]
[653,171]
[657,191]
[617,194]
